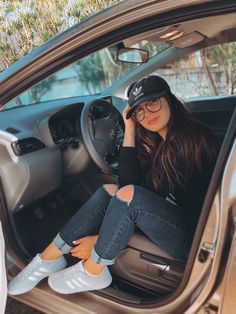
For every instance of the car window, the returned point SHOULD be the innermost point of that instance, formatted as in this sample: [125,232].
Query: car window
[88,76]
[207,72]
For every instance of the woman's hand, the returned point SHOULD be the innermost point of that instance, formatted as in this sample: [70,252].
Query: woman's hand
[130,125]
[83,247]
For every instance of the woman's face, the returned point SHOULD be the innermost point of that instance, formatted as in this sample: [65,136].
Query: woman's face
[157,121]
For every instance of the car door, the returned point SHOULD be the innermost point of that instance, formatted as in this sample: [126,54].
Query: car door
[228,303]
[3,278]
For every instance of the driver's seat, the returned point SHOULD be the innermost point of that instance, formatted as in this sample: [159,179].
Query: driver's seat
[144,264]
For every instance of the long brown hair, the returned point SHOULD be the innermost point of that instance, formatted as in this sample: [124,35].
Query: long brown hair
[187,136]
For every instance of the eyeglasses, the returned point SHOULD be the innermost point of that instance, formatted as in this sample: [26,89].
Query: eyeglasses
[152,106]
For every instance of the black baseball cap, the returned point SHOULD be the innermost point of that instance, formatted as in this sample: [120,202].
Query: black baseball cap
[148,88]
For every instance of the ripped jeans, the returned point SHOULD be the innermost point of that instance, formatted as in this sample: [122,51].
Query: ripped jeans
[114,220]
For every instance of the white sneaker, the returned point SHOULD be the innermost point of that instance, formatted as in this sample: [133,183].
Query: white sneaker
[33,273]
[75,279]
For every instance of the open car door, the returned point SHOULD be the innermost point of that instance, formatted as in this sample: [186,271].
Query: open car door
[3,278]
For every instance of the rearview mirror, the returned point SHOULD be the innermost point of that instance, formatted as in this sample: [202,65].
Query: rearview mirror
[132,55]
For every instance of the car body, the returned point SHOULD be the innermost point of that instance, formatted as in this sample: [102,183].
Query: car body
[50,162]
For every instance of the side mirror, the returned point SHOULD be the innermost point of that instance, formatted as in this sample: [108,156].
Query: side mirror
[132,55]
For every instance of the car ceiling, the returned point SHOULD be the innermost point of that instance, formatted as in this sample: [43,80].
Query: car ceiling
[209,27]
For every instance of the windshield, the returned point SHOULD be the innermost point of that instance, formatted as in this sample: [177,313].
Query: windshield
[87,76]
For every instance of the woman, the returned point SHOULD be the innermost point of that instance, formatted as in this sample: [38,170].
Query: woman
[164,169]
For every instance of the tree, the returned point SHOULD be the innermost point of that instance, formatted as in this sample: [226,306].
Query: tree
[26,24]
[211,71]
[225,58]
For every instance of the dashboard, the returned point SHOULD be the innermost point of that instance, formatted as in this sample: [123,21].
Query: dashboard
[64,126]
[42,143]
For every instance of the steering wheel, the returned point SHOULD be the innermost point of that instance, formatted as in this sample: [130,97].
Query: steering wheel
[101,123]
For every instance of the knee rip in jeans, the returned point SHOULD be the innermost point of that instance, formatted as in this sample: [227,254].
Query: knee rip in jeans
[111,188]
[126,193]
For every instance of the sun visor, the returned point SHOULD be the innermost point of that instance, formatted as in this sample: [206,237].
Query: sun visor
[150,35]
[187,40]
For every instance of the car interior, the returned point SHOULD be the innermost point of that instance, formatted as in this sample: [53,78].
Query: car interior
[55,153]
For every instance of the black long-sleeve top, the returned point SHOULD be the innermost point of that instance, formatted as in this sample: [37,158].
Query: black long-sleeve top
[190,197]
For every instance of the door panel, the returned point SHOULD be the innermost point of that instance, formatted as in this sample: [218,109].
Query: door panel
[228,304]
[3,278]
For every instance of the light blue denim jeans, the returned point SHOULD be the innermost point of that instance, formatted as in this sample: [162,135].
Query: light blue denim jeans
[115,220]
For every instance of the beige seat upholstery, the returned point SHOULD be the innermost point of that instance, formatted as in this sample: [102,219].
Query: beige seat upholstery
[144,264]
[141,242]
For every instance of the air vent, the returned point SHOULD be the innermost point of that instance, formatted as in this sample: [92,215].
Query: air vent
[12,130]
[26,145]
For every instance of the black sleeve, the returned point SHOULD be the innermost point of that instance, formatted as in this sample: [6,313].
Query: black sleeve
[129,171]
[192,195]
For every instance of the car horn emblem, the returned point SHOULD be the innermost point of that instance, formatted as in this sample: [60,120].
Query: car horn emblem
[111,133]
